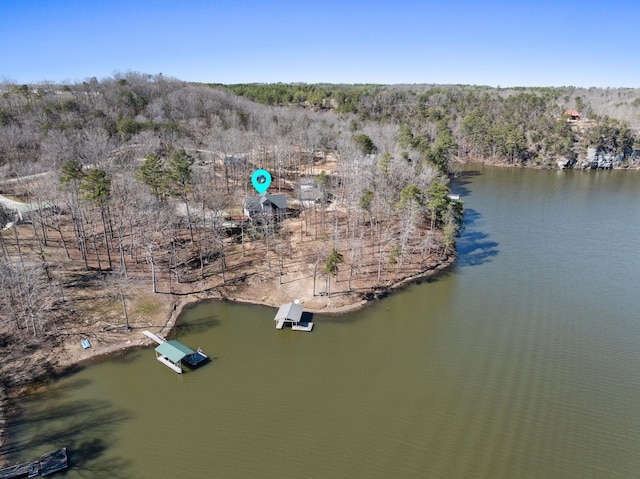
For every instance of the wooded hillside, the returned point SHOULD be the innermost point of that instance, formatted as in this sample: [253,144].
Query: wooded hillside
[121,189]
[516,126]
[140,185]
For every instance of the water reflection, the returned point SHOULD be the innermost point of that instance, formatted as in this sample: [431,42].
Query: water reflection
[461,184]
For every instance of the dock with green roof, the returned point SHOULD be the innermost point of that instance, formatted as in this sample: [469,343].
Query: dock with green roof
[172,353]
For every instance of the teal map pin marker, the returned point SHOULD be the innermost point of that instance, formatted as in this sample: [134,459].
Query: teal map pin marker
[261,180]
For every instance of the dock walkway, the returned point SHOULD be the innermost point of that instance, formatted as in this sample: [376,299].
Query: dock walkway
[155,337]
[49,463]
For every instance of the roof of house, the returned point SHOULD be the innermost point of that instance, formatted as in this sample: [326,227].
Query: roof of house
[254,203]
[290,312]
[174,350]
[279,201]
[572,113]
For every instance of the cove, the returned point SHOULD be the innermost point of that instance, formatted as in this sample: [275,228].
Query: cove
[521,361]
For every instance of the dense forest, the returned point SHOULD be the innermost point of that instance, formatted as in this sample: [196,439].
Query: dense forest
[141,182]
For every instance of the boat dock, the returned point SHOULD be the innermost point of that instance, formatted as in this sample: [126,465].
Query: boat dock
[291,313]
[302,326]
[171,353]
[49,463]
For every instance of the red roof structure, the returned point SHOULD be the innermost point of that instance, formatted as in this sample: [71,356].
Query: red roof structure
[572,114]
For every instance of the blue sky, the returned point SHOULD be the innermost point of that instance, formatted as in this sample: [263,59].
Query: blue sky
[492,42]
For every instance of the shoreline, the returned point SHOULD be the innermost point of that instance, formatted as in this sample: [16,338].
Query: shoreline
[176,306]
[527,166]
[376,295]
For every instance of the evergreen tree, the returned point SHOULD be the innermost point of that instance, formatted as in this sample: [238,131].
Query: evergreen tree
[155,175]
[331,267]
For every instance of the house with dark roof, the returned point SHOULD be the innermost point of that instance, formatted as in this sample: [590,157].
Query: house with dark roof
[265,204]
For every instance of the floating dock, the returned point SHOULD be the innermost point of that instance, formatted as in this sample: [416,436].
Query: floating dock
[291,313]
[49,463]
[171,353]
[302,326]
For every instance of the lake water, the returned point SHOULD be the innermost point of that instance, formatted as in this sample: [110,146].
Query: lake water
[521,362]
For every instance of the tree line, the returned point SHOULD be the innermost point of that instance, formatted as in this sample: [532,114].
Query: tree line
[523,126]
[140,178]
[340,98]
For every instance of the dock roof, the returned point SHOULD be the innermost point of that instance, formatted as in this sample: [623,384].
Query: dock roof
[174,350]
[289,312]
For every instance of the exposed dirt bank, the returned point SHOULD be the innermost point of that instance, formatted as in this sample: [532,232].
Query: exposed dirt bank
[66,355]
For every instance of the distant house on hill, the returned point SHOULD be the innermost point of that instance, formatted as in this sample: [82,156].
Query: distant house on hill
[572,115]
[234,161]
[265,205]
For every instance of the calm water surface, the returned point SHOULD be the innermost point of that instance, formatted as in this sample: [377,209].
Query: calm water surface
[521,362]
